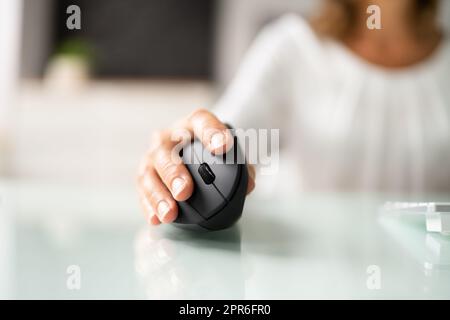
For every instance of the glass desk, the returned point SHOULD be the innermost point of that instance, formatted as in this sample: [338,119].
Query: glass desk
[309,246]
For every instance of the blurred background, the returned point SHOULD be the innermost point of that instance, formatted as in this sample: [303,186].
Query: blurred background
[86,100]
[77,107]
[76,111]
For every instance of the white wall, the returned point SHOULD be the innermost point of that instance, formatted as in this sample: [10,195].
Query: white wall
[37,33]
[10,23]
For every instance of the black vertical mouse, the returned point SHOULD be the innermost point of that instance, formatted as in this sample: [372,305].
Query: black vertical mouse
[220,187]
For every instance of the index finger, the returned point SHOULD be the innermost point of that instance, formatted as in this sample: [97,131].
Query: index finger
[213,134]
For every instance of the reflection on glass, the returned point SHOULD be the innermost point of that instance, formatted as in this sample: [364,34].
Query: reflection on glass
[178,264]
[437,253]
[431,250]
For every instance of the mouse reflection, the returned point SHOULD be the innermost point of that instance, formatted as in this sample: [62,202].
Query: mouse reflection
[437,263]
[431,250]
[167,263]
[437,259]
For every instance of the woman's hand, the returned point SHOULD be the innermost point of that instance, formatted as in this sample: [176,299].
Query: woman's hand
[163,179]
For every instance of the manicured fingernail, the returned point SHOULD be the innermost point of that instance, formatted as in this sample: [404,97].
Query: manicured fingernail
[163,209]
[178,185]
[217,140]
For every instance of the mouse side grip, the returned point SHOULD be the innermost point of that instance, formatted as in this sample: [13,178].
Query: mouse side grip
[189,216]
[233,208]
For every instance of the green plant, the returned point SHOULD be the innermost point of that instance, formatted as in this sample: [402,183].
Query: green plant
[76,48]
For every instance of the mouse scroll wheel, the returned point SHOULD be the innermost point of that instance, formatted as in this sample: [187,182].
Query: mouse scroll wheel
[206,173]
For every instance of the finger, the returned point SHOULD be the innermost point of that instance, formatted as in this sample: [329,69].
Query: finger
[173,172]
[154,220]
[148,211]
[159,197]
[251,178]
[214,135]
[146,208]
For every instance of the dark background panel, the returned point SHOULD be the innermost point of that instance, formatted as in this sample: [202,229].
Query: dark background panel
[143,38]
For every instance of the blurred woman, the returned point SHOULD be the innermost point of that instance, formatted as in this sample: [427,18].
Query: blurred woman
[358,109]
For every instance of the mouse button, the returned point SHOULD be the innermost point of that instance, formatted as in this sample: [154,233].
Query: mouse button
[205,156]
[205,199]
[225,171]
[206,173]
[187,214]
[227,177]
[188,154]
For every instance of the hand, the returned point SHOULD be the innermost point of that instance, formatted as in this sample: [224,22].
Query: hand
[163,179]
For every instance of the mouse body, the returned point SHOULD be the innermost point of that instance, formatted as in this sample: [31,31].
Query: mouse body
[220,187]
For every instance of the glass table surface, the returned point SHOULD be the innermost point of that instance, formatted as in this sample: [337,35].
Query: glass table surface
[68,242]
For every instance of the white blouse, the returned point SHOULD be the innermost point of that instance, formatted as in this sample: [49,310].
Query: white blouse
[345,123]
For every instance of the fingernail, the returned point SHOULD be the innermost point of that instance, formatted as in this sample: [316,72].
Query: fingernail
[217,140]
[178,185]
[163,209]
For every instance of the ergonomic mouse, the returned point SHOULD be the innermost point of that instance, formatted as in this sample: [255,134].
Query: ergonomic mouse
[220,186]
